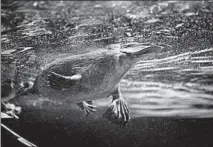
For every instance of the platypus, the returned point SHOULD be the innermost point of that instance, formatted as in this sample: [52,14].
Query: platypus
[96,75]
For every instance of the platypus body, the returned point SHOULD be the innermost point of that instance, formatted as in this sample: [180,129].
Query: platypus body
[86,77]
[97,74]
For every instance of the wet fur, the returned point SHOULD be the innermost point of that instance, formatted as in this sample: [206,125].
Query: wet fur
[101,72]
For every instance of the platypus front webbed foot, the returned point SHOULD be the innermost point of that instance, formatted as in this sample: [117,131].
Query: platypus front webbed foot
[118,111]
[87,106]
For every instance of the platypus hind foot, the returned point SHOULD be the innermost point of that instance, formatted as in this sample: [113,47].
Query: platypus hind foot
[87,106]
[118,112]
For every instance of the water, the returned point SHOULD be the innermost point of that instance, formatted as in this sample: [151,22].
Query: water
[177,83]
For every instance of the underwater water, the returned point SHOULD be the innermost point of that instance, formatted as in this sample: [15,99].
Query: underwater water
[178,83]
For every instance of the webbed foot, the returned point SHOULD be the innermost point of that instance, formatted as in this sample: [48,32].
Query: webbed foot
[118,112]
[87,106]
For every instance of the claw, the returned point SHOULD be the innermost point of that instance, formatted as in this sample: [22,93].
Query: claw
[87,107]
[122,114]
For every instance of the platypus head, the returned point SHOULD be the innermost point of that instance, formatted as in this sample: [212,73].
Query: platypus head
[132,53]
